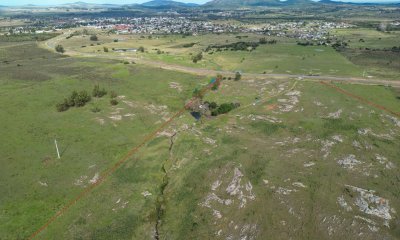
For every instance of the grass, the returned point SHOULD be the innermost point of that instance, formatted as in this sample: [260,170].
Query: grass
[269,154]
[284,57]
[30,121]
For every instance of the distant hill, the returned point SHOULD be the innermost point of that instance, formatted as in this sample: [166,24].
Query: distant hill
[256,3]
[283,3]
[89,5]
[359,3]
[167,3]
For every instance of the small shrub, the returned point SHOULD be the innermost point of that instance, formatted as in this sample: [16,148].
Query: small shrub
[238,76]
[141,49]
[59,48]
[62,107]
[114,102]
[94,38]
[105,49]
[97,92]
[82,98]
[96,109]
[113,94]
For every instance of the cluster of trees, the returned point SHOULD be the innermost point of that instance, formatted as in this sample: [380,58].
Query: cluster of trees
[339,45]
[237,46]
[221,109]
[392,49]
[263,41]
[241,46]
[308,43]
[79,99]
[188,45]
[27,37]
[197,57]
[75,100]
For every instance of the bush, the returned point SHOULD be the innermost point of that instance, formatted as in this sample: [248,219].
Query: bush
[141,49]
[94,38]
[60,49]
[213,105]
[238,76]
[223,108]
[113,94]
[198,57]
[97,92]
[105,49]
[71,100]
[114,102]
[82,98]
[96,109]
[62,107]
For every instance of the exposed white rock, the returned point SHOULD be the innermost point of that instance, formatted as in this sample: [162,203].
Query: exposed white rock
[342,202]
[349,162]
[146,194]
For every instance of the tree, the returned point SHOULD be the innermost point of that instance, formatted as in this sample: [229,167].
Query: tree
[60,49]
[198,57]
[238,76]
[94,38]
[141,49]
[105,49]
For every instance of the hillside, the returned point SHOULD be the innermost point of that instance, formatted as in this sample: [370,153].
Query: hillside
[256,3]
[167,3]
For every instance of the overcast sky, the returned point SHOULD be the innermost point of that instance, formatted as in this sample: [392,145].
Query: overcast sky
[53,2]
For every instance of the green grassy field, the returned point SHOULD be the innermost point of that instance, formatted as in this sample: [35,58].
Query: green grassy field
[280,165]
[368,48]
[284,57]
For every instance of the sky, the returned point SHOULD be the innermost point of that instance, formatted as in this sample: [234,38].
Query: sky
[54,2]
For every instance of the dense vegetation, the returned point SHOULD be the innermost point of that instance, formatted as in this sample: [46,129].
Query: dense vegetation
[27,37]
[241,46]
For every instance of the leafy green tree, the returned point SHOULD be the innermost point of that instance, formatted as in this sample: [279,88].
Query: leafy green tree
[141,49]
[105,49]
[197,57]
[238,76]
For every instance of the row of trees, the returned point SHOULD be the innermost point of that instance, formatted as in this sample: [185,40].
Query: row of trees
[241,46]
